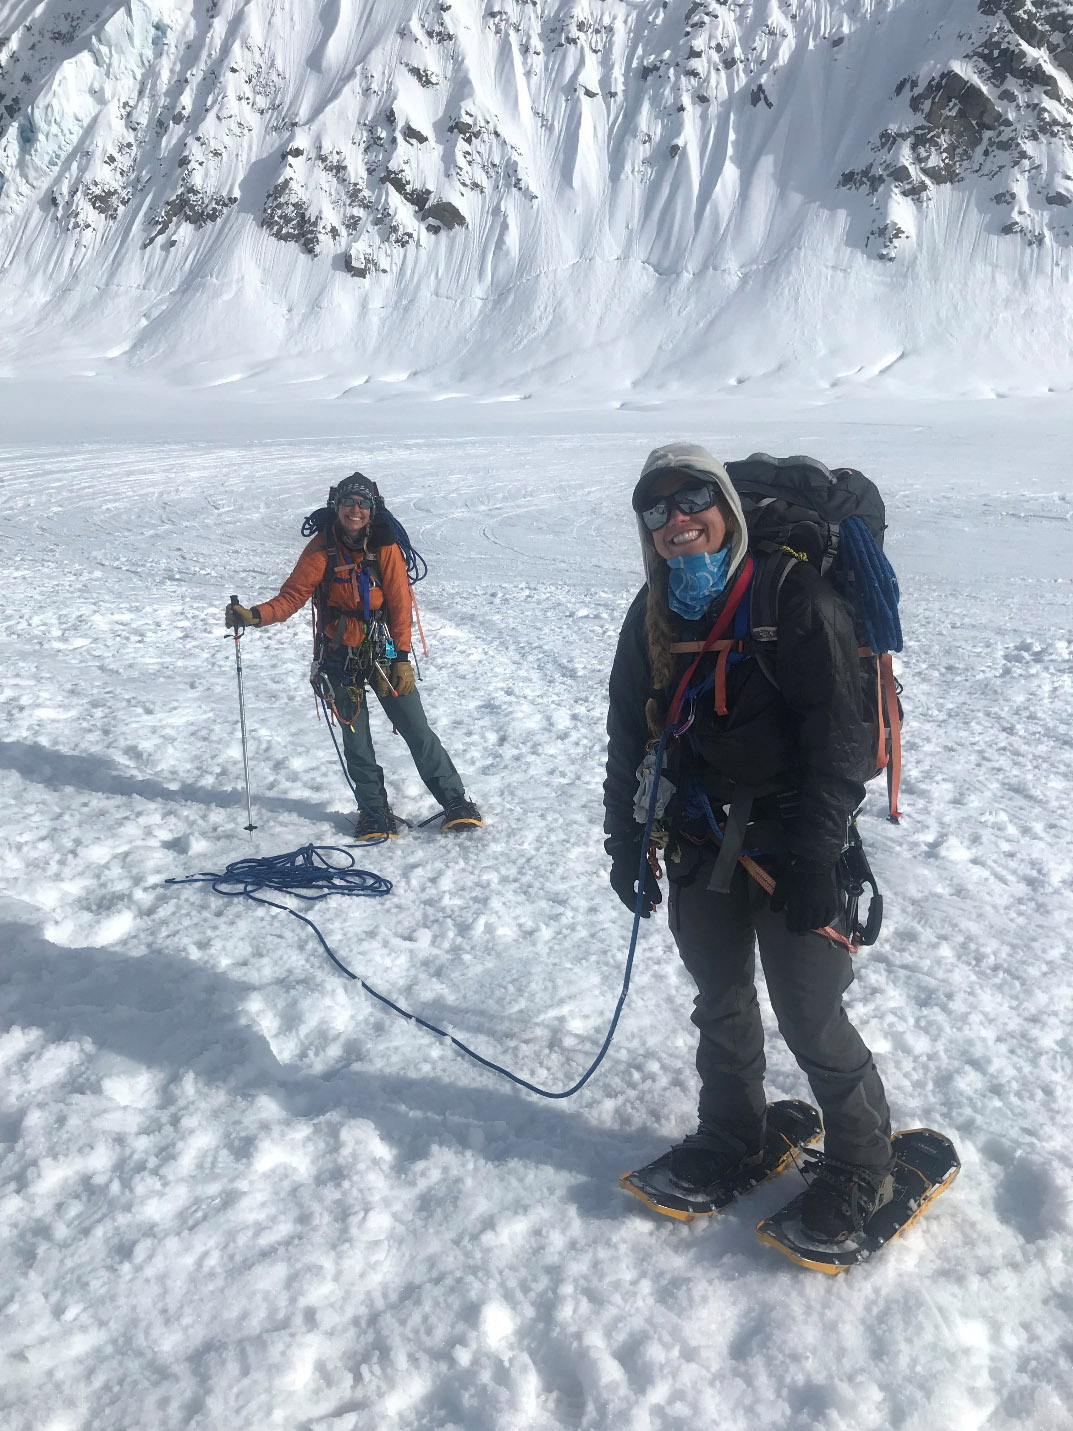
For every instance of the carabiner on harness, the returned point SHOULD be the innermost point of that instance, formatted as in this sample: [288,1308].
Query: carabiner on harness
[647,779]
[856,874]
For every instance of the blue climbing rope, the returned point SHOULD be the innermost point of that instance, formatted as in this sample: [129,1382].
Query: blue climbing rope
[875,586]
[416,565]
[308,874]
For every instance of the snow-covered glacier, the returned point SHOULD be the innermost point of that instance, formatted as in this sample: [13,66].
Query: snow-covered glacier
[673,193]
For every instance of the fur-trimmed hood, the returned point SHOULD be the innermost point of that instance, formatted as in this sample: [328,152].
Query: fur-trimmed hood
[691,460]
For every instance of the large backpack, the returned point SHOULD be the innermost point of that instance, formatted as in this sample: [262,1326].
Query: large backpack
[390,529]
[796,509]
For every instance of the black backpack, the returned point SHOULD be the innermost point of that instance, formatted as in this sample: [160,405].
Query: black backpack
[796,509]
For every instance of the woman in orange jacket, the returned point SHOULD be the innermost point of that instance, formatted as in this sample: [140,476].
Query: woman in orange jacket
[356,574]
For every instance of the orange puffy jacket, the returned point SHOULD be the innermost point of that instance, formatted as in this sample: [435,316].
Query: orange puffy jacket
[390,589]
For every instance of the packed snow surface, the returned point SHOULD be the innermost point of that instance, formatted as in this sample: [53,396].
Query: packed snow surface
[236,1192]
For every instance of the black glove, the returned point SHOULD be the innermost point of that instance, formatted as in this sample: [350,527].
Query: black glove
[624,880]
[809,893]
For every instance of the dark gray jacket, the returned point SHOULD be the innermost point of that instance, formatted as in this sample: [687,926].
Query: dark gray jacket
[805,734]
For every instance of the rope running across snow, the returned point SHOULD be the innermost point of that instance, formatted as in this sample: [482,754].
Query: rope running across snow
[308,874]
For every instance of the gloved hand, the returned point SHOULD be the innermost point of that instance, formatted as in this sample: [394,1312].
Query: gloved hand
[400,674]
[809,893]
[624,880]
[236,616]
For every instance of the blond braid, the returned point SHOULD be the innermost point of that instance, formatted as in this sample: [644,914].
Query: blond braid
[658,630]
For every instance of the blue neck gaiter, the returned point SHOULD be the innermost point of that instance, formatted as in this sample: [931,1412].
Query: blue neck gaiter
[696,580]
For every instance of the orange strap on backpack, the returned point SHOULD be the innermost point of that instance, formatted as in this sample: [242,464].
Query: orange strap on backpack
[890,701]
[420,628]
[722,623]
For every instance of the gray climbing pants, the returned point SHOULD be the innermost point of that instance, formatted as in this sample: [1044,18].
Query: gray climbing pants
[407,714]
[806,975]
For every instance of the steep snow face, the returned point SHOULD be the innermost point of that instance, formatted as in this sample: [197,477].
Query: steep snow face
[505,190]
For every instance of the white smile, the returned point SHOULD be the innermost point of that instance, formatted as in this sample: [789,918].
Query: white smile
[682,537]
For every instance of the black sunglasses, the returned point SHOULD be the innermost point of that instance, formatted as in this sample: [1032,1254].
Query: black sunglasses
[687,499]
[356,501]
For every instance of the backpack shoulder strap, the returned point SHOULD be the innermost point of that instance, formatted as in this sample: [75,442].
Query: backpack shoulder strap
[772,569]
[331,557]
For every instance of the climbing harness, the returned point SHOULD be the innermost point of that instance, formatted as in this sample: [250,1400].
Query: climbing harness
[855,871]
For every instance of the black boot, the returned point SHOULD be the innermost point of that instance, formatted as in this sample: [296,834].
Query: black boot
[372,825]
[710,1157]
[841,1198]
[460,814]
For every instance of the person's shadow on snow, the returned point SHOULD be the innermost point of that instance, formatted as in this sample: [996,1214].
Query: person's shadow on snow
[167,1012]
[101,775]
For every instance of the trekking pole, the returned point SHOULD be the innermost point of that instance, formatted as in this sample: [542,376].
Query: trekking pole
[239,628]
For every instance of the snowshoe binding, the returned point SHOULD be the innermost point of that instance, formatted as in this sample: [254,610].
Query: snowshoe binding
[830,1228]
[697,1179]
[373,825]
[841,1198]
[459,815]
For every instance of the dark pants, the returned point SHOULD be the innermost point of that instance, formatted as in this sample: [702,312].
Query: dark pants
[407,714]
[806,977]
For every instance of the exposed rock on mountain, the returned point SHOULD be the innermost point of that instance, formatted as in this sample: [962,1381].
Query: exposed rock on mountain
[1002,112]
[549,161]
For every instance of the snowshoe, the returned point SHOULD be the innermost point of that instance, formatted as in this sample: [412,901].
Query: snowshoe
[926,1164]
[461,814]
[791,1125]
[373,825]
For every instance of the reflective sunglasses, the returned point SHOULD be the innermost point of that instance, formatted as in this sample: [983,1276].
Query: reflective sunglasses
[688,500]
[364,502]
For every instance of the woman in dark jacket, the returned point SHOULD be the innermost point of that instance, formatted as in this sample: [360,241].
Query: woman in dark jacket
[364,619]
[779,770]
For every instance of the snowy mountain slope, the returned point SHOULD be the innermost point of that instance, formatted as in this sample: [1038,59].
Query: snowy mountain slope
[535,187]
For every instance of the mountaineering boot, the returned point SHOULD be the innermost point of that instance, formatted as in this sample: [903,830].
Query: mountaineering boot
[375,825]
[708,1170]
[461,814]
[710,1157]
[841,1198]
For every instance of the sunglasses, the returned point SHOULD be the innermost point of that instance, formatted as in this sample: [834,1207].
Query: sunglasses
[688,500]
[363,502]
